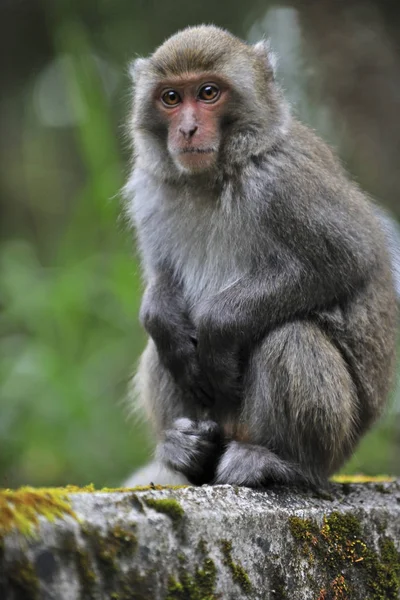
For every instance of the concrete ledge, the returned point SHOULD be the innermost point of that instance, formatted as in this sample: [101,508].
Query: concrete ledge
[204,543]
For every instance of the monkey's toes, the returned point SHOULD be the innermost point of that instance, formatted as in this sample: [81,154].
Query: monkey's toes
[184,425]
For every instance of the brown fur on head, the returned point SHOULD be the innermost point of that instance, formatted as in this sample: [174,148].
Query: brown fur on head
[193,136]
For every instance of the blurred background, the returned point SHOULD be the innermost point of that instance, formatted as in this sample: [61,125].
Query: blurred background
[69,280]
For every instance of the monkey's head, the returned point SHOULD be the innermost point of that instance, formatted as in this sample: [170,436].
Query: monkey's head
[205,99]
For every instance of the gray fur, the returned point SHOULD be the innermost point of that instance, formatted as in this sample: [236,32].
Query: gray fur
[191,448]
[392,232]
[270,57]
[156,473]
[269,295]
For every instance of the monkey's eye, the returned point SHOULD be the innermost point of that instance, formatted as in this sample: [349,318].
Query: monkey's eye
[170,98]
[209,93]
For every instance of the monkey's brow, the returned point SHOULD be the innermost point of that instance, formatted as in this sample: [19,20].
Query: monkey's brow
[192,77]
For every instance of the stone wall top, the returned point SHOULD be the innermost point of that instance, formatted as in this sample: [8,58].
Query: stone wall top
[203,543]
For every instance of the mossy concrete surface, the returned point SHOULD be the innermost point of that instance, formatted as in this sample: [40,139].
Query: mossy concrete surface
[209,543]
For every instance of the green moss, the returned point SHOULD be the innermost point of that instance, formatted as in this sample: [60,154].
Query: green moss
[238,572]
[167,506]
[384,574]
[136,586]
[82,561]
[388,552]
[200,586]
[202,547]
[20,509]
[98,564]
[146,488]
[343,557]
[106,558]
[91,489]
[362,479]
[108,549]
[86,574]
[75,489]
[205,578]
[125,540]
[175,588]
[22,580]
[302,529]
[277,579]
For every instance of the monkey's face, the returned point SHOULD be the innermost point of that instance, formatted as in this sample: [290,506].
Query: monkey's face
[204,100]
[191,108]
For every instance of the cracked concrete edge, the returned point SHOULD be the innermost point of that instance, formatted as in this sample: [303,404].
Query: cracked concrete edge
[212,543]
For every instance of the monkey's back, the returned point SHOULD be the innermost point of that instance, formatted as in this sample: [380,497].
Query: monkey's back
[363,326]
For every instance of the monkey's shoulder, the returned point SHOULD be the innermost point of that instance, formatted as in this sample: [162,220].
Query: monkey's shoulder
[308,175]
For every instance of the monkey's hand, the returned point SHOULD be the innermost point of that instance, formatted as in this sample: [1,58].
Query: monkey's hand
[174,335]
[220,351]
[192,448]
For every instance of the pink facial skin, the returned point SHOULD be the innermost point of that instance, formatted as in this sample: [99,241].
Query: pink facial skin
[192,108]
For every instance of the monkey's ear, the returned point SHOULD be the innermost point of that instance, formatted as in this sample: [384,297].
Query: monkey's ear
[136,67]
[264,50]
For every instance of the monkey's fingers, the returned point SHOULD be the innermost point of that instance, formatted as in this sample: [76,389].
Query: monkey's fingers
[192,448]
[207,429]
[211,431]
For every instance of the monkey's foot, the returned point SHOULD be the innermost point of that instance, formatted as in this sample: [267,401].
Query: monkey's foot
[253,466]
[192,448]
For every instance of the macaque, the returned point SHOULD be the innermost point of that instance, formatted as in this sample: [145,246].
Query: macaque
[269,301]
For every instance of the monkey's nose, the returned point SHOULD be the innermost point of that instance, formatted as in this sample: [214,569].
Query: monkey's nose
[188,132]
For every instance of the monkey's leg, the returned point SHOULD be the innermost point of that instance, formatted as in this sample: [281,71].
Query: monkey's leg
[299,411]
[189,443]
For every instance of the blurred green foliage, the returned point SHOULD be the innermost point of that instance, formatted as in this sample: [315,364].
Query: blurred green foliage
[69,281]
[69,332]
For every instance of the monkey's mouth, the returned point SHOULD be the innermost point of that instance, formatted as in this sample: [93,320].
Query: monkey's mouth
[196,151]
[193,159]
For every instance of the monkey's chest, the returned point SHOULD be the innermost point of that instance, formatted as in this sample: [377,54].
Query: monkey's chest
[207,248]
[207,261]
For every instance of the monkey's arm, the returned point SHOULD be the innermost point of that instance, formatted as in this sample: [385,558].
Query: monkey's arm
[313,264]
[164,316]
